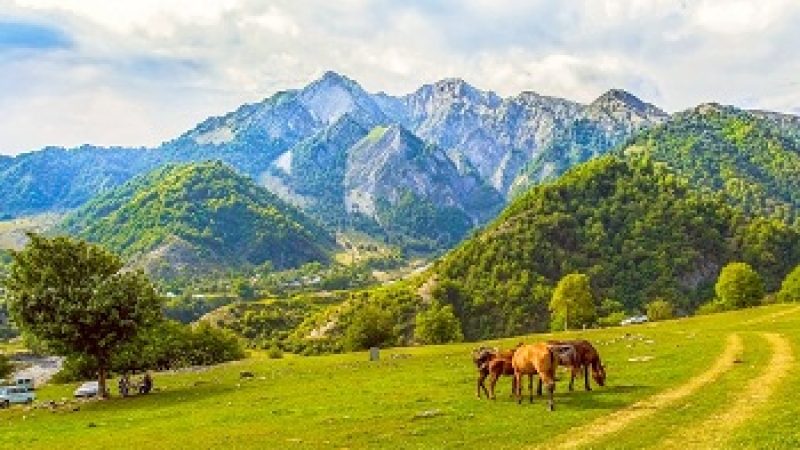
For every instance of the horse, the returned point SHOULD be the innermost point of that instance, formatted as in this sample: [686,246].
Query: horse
[495,363]
[532,359]
[584,356]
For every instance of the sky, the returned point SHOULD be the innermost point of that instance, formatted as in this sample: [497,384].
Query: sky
[136,73]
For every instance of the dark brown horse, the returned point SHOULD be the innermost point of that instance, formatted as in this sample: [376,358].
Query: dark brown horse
[495,363]
[530,360]
[583,356]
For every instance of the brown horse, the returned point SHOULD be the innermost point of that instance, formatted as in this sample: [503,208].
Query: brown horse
[532,359]
[584,356]
[495,363]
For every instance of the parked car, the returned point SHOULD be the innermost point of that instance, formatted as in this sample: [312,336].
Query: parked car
[634,320]
[88,389]
[15,394]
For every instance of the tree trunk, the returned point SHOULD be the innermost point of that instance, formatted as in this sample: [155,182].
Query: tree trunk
[102,374]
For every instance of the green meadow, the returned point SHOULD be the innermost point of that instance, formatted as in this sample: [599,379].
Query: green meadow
[668,384]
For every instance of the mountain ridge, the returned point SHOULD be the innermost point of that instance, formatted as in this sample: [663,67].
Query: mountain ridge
[509,143]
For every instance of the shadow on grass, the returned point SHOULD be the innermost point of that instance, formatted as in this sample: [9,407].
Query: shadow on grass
[164,398]
[598,398]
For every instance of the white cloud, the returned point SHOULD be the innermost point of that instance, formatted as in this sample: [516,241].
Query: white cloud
[163,65]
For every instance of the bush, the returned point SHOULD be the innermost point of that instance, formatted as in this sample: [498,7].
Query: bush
[739,286]
[275,352]
[438,325]
[790,288]
[612,319]
[660,309]
[371,326]
[712,307]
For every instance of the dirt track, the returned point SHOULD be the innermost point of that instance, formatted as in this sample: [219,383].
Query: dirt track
[716,429]
[617,421]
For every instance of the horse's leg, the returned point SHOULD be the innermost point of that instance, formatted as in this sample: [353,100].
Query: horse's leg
[551,387]
[518,387]
[539,387]
[586,377]
[513,386]
[572,370]
[530,386]
[492,383]
[481,378]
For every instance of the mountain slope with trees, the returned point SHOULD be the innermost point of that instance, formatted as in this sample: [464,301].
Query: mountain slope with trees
[196,218]
[637,230]
[753,159]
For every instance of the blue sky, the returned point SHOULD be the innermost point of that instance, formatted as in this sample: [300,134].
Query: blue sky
[139,72]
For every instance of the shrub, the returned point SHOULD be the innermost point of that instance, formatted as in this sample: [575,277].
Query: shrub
[438,325]
[660,309]
[371,326]
[790,288]
[275,352]
[739,286]
[712,307]
[612,319]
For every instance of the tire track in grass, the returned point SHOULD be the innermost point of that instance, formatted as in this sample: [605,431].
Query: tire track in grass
[616,421]
[717,429]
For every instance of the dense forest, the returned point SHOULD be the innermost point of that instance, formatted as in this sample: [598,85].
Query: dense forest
[753,160]
[639,231]
[199,217]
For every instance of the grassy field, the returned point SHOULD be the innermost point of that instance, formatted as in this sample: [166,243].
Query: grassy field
[721,381]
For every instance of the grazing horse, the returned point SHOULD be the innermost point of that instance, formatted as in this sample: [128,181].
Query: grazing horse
[584,356]
[495,363]
[531,359]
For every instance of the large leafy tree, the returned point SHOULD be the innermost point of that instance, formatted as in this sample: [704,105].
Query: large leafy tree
[739,286]
[76,299]
[790,288]
[572,304]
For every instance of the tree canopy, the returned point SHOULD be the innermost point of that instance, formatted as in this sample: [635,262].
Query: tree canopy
[739,286]
[75,298]
[572,305]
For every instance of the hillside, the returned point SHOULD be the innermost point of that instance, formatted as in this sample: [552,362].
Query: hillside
[184,219]
[719,381]
[636,229]
[752,158]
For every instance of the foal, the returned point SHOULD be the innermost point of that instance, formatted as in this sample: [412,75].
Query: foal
[495,363]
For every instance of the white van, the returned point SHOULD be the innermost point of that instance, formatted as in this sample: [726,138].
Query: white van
[25,382]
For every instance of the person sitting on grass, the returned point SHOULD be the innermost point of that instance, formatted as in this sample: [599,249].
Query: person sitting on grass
[147,384]
[124,385]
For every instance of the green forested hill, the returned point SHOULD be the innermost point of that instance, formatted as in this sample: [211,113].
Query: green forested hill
[752,158]
[636,229]
[199,217]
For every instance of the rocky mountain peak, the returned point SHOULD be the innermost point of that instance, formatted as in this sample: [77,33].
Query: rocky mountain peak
[333,95]
[620,104]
